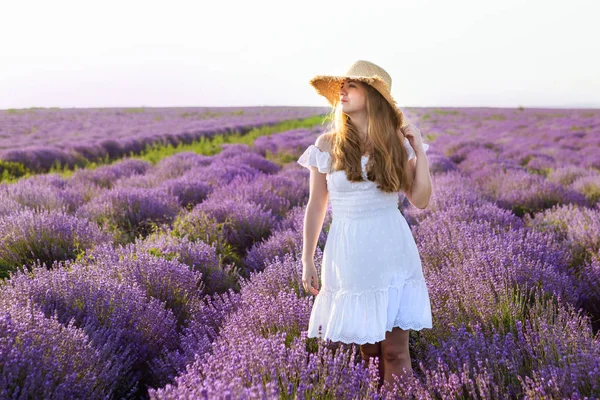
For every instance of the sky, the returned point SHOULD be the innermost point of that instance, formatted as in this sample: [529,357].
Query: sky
[439,53]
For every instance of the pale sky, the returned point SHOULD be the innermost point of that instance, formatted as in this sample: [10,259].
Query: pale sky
[439,53]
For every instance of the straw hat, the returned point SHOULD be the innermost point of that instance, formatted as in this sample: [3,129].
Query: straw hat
[365,71]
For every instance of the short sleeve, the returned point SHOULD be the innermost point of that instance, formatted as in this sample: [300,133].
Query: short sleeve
[314,157]
[409,149]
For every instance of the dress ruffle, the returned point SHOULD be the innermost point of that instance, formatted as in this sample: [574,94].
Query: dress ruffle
[364,317]
[314,157]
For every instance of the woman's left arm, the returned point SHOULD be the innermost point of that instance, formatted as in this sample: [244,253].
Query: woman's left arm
[420,193]
[421,189]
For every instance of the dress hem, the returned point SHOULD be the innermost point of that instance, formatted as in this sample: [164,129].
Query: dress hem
[371,339]
[404,303]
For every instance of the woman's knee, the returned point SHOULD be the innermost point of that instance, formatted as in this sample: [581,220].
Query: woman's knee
[369,350]
[395,354]
[395,346]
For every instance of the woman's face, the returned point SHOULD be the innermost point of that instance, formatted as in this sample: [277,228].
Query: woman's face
[352,97]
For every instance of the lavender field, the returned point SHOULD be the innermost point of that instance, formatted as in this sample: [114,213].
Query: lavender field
[182,279]
[39,138]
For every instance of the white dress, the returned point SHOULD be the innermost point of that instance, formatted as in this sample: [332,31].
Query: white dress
[371,276]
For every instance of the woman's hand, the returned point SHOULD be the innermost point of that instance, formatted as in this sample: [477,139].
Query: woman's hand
[413,134]
[310,280]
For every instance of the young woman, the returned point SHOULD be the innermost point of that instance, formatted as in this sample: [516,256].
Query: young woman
[373,289]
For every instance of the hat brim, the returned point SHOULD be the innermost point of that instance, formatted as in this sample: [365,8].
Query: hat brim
[328,87]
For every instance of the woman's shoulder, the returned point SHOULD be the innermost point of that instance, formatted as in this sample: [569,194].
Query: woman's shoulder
[325,141]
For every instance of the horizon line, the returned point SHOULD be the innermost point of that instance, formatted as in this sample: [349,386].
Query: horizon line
[567,106]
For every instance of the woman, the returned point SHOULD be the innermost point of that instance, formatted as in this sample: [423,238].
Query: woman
[373,289]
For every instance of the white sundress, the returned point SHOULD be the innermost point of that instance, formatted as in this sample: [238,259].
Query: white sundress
[371,276]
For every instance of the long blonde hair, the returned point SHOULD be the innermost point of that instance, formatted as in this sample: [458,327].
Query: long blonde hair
[388,157]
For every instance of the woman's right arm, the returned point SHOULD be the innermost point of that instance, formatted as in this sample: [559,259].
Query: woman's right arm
[313,221]
[315,213]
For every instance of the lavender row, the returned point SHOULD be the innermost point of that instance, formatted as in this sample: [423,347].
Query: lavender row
[40,138]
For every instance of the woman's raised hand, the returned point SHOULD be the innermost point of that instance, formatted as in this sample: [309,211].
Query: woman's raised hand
[413,134]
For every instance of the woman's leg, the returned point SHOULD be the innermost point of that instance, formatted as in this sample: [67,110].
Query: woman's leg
[395,354]
[369,350]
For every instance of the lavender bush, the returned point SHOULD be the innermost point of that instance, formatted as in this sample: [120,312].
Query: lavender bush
[29,236]
[261,189]
[217,275]
[233,226]
[485,259]
[575,226]
[130,213]
[129,329]
[105,176]
[286,239]
[43,359]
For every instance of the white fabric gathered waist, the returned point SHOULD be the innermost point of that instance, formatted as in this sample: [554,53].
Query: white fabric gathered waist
[358,205]
[362,213]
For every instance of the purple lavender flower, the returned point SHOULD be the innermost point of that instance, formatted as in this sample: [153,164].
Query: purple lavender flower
[451,189]
[287,238]
[523,193]
[568,174]
[106,175]
[179,164]
[190,189]
[42,358]
[577,227]
[227,222]
[167,280]
[529,354]
[129,329]
[468,264]
[36,194]
[199,256]
[29,236]
[221,174]
[130,213]
[247,158]
[8,205]
[589,186]
[589,283]
[261,189]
